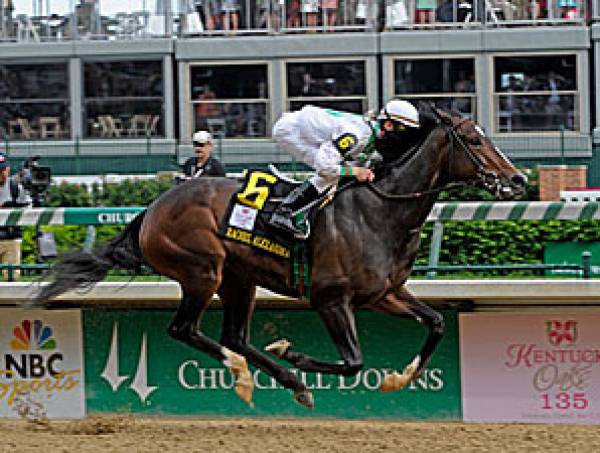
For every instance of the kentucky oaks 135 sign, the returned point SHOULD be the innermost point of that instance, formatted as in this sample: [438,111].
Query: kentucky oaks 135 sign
[530,367]
[133,365]
[41,363]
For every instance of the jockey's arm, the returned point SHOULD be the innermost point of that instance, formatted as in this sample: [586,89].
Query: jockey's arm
[329,164]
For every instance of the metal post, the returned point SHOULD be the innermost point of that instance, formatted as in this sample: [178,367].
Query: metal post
[562,145]
[148,153]
[586,258]
[435,247]
[90,238]
[77,156]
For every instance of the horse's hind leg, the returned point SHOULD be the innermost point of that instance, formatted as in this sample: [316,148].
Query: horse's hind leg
[185,327]
[402,302]
[238,300]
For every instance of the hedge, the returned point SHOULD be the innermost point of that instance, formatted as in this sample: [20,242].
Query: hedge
[464,243]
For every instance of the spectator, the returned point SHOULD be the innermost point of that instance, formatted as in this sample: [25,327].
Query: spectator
[445,12]
[329,8]
[269,15]
[230,15]
[208,12]
[204,109]
[12,195]
[310,8]
[425,13]
[202,164]
[292,10]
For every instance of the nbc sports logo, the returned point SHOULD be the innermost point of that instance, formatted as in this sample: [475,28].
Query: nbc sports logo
[33,336]
[33,351]
[41,355]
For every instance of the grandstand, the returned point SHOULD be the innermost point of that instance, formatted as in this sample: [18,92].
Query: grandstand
[87,84]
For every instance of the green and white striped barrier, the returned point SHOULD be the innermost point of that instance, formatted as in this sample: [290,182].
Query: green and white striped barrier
[68,216]
[518,210]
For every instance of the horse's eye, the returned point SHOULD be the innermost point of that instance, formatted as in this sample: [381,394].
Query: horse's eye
[475,141]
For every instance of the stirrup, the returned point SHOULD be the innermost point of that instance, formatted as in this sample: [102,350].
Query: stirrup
[286,223]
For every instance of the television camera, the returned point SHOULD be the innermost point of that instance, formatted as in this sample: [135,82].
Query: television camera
[35,179]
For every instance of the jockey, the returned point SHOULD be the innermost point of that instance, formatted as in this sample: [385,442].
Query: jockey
[336,144]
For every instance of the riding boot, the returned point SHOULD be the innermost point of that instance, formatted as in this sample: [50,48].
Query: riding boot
[287,216]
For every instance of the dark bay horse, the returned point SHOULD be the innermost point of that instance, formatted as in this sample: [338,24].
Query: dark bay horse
[363,244]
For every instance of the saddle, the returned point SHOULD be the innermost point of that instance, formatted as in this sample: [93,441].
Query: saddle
[250,208]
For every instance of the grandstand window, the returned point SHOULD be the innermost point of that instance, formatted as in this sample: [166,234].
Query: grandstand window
[536,93]
[229,100]
[447,82]
[123,99]
[34,101]
[339,85]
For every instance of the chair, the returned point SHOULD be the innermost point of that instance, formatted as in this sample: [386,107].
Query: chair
[50,127]
[20,128]
[138,125]
[152,125]
[111,127]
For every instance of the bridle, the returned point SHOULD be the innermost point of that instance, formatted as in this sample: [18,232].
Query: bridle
[489,179]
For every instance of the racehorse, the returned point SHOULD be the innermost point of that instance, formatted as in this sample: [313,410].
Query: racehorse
[363,247]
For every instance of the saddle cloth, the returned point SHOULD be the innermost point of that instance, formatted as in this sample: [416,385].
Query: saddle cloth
[247,217]
[250,208]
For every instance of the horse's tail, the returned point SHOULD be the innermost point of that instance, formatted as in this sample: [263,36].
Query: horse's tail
[81,270]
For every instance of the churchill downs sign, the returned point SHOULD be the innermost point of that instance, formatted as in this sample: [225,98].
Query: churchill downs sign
[131,363]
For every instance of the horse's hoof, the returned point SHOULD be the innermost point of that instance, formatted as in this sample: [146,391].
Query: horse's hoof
[244,391]
[396,381]
[278,348]
[305,398]
[244,385]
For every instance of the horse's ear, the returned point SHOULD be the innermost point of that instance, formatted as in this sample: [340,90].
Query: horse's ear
[443,117]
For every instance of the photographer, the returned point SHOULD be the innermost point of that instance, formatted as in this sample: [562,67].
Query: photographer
[12,195]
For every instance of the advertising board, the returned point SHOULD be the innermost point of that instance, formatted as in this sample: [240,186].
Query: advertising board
[530,367]
[133,365]
[41,363]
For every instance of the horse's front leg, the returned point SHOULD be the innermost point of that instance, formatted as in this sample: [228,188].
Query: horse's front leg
[334,308]
[401,302]
[238,299]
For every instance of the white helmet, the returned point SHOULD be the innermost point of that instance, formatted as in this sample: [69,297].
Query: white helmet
[400,111]
[202,137]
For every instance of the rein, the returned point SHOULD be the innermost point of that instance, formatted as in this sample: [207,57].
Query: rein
[413,195]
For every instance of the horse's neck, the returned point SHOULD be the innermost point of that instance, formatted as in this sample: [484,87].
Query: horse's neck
[424,171]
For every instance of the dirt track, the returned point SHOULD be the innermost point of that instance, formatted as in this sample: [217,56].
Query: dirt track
[128,434]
